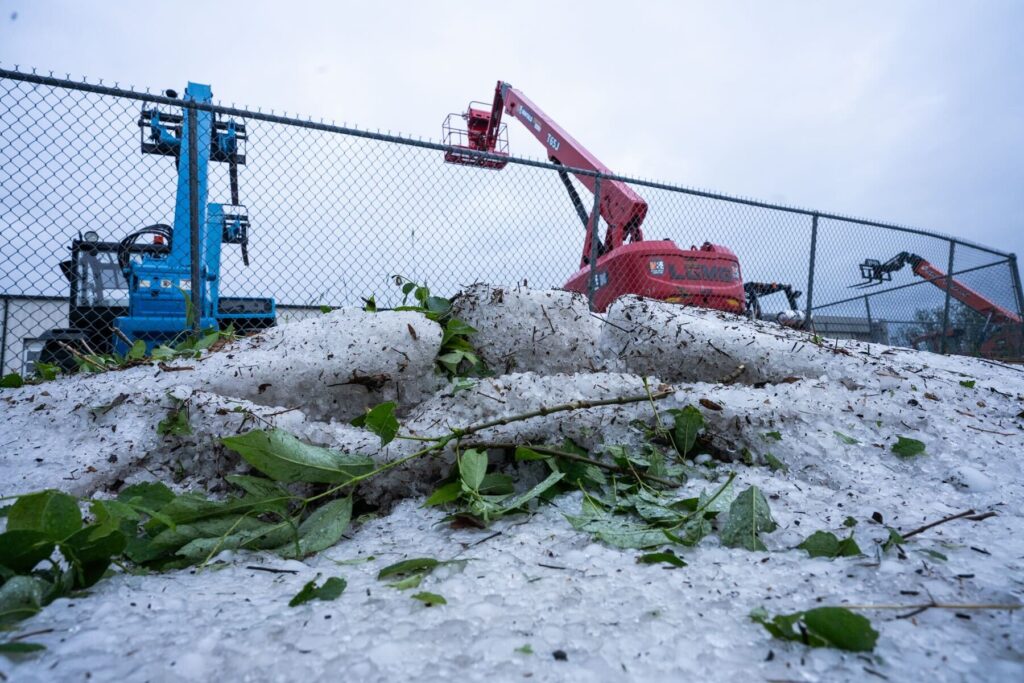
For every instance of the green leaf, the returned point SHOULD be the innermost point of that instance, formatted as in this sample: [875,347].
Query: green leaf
[472,468]
[841,628]
[20,648]
[138,350]
[282,457]
[437,307]
[370,304]
[893,540]
[654,509]
[825,544]
[23,549]
[411,581]
[91,550]
[667,557]
[451,360]
[322,529]
[775,464]
[20,598]
[524,454]
[617,531]
[331,590]
[934,554]
[47,371]
[848,440]
[175,424]
[151,495]
[968,383]
[248,533]
[461,384]
[749,516]
[456,328]
[430,599]
[257,486]
[446,493]
[525,649]
[717,501]
[163,352]
[693,530]
[821,544]
[51,512]
[907,448]
[381,421]
[12,381]
[497,484]
[687,424]
[406,567]
[523,498]
[835,627]
[777,436]
[848,547]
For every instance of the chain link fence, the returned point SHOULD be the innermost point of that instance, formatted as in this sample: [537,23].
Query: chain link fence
[334,213]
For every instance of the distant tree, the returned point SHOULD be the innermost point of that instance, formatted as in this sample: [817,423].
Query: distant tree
[967,330]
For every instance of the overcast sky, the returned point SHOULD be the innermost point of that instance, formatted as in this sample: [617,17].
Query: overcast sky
[903,111]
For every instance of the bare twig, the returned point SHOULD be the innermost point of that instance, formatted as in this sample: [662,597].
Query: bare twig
[1011,606]
[282,412]
[82,359]
[123,336]
[561,408]
[22,636]
[992,431]
[271,570]
[458,433]
[734,375]
[929,525]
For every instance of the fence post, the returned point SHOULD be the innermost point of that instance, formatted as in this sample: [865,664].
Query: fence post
[1019,295]
[595,217]
[871,326]
[945,310]
[810,271]
[193,218]
[3,337]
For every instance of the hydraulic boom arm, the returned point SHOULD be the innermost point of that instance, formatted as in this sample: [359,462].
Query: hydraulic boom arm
[874,273]
[621,208]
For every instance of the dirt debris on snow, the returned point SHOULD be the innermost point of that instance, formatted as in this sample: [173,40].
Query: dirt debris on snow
[834,410]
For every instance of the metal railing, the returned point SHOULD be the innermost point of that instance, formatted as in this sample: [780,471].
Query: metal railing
[335,212]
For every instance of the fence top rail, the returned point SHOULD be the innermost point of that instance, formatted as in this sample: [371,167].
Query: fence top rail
[309,123]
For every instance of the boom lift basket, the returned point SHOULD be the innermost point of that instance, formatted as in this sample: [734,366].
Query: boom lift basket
[468,132]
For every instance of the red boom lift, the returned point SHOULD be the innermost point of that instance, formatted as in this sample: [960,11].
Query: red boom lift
[1004,342]
[708,276]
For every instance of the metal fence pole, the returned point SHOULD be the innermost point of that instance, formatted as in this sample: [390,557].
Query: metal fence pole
[193,217]
[871,326]
[810,271]
[1019,295]
[3,337]
[595,217]
[1018,292]
[945,310]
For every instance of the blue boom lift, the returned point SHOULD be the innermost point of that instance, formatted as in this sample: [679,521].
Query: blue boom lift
[155,279]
